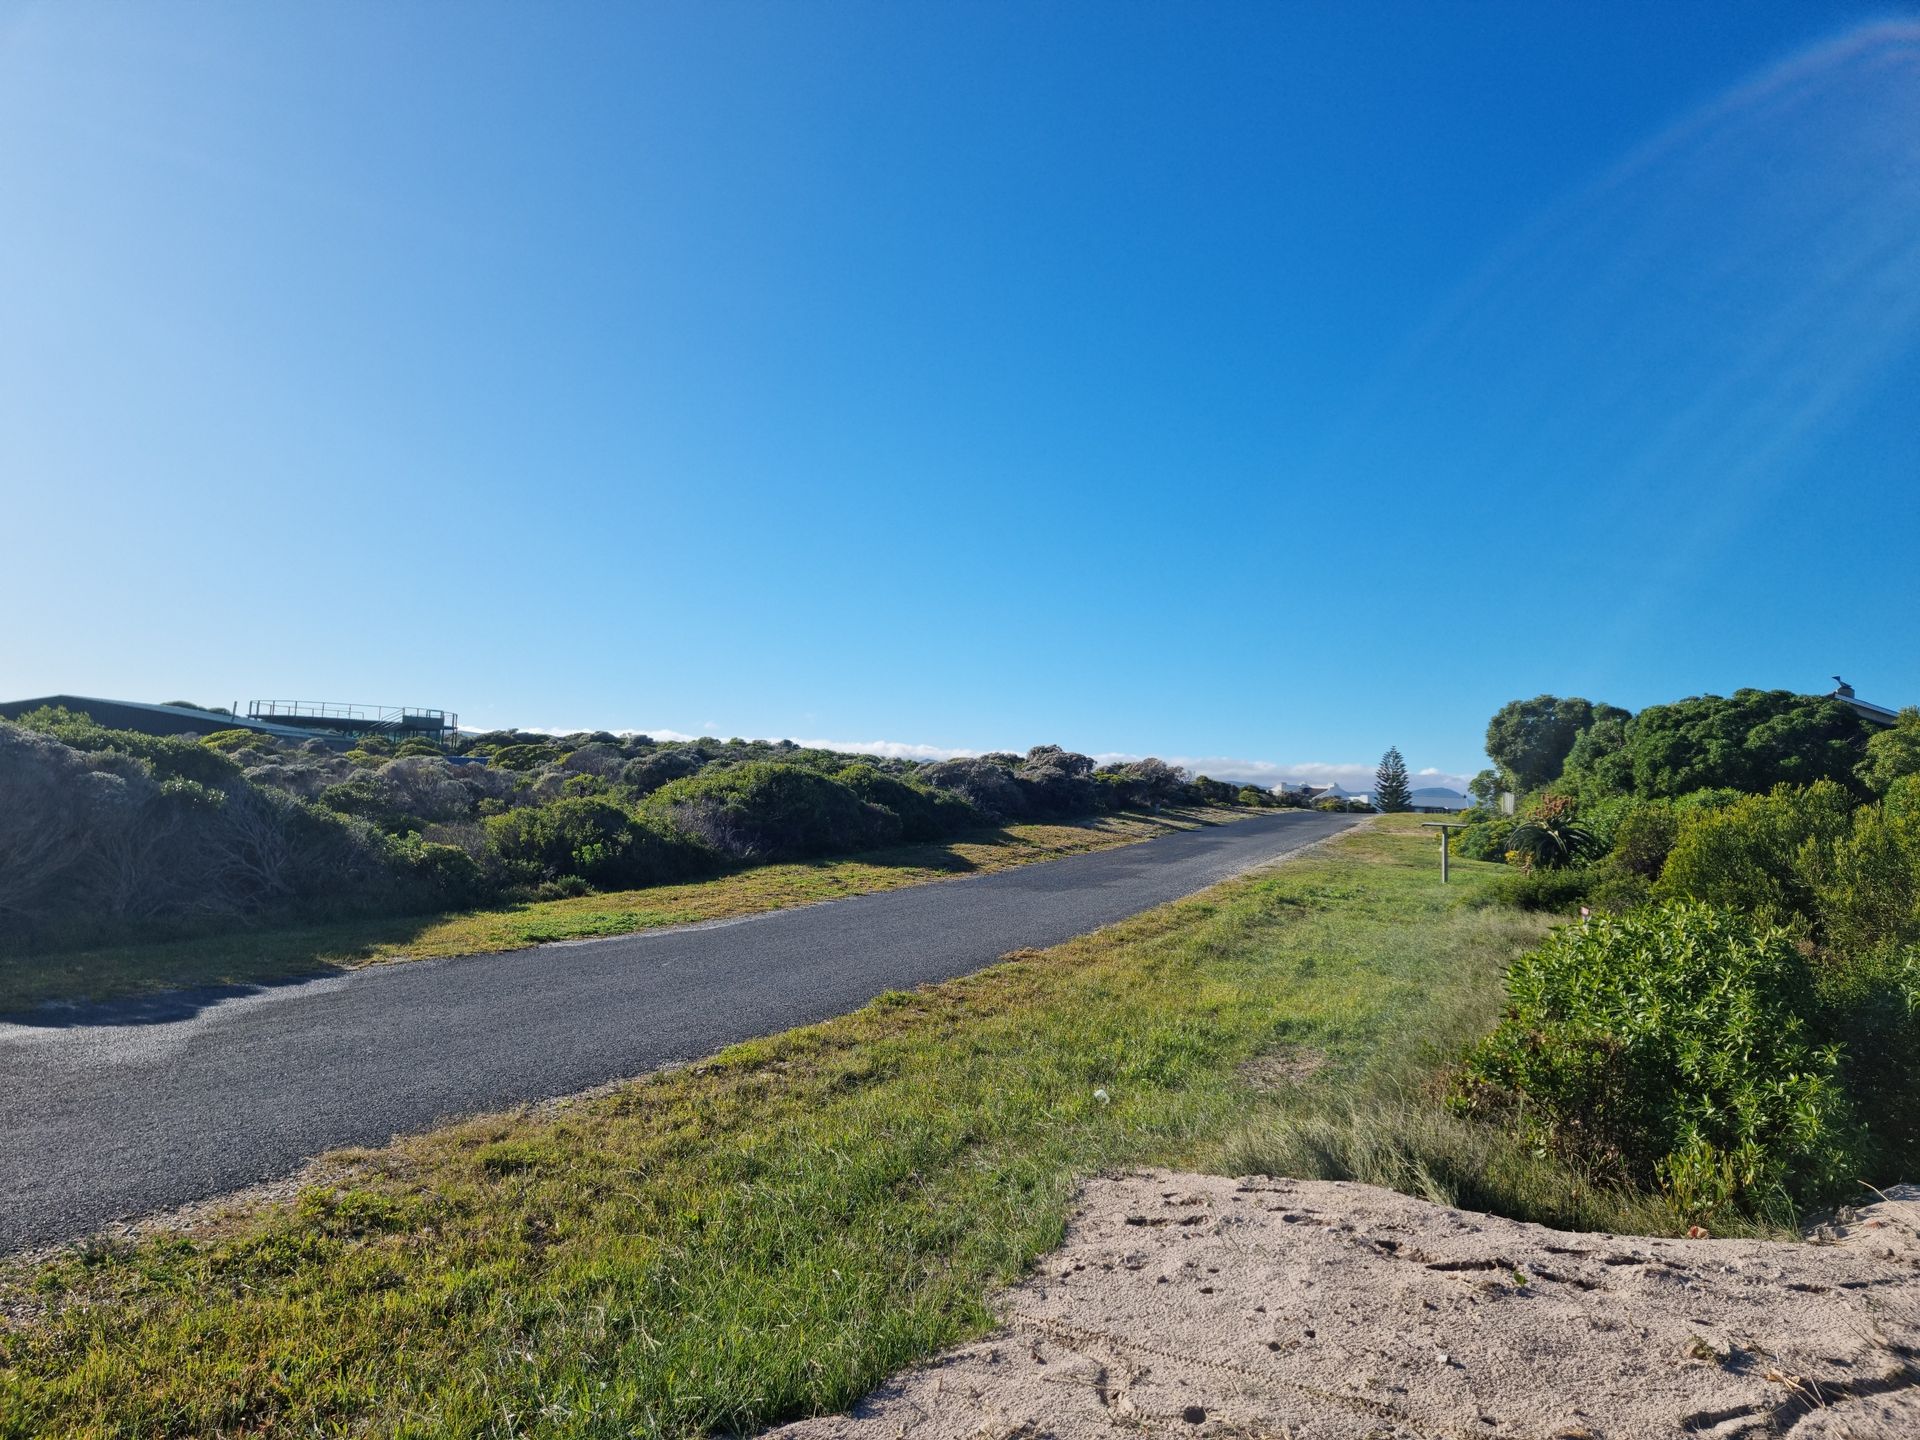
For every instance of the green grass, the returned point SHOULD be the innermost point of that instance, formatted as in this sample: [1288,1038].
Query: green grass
[255,957]
[770,1233]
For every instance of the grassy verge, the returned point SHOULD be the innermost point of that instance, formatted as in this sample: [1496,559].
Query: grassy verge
[255,957]
[773,1231]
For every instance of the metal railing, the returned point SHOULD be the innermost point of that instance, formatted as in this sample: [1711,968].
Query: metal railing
[351,716]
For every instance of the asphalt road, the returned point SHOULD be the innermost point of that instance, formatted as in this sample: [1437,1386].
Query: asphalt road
[123,1110]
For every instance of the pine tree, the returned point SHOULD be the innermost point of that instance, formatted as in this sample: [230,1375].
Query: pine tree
[1390,789]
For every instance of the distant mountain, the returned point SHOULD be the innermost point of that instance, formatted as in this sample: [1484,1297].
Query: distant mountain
[1438,792]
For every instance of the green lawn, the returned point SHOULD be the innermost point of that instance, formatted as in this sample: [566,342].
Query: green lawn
[252,957]
[771,1232]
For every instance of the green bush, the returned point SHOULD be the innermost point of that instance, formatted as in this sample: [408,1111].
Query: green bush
[593,839]
[765,811]
[1486,840]
[1559,891]
[1869,1004]
[1643,837]
[228,741]
[523,757]
[1670,1047]
[1614,888]
[445,875]
[172,757]
[1762,855]
[924,814]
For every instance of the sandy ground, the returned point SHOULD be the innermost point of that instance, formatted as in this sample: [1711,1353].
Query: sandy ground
[1195,1305]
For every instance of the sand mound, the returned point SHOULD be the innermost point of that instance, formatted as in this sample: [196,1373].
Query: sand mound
[1193,1305]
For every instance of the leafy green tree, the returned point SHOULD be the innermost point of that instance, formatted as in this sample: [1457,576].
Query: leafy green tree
[1599,764]
[1530,739]
[1391,790]
[1892,754]
[1485,789]
[1750,741]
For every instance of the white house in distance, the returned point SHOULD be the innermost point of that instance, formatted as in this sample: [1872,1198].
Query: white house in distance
[1314,794]
[1429,800]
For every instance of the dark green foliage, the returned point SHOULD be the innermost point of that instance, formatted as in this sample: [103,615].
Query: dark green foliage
[1551,842]
[525,757]
[1892,754]
[596,840]
[1869,1004]
[1056,782]
[1530,739]
[1671,1047]
[990,788]
[1485,840]
[763,811]
[647,773]
[180,757]
[1752,741]
[1643,837]
[1600,764]
[924,814]
[1392,791]
[1559,892]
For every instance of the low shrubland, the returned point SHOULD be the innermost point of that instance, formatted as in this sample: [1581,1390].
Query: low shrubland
[110,836]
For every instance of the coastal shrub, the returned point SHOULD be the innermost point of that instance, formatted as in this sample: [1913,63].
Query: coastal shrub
[1557,891]
[1643,838]
[924,814]
[1056,782]
[1485,840]
[1762,855]
[766,811]
[1671,1047]
[595,839]
[988,787]
[648,773]
[525,757]
[1869,1005]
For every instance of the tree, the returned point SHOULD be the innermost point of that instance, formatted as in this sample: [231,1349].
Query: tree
[1391,792]
[1752,741]
[1529,739]
[1893,753]
[1485,789]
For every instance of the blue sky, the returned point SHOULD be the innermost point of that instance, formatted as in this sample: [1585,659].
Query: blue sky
[1240,384]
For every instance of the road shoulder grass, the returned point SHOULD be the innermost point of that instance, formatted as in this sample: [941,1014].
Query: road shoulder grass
[771,1232]
[260,957]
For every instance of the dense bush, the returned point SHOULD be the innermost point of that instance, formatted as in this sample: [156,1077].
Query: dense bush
[1672,1047]
[924,814]
[764,811]
[1892,754]
[1558,891]
[1762,854]
[597,841]
[986,785]
[94,837]
[1485,840]
[106,833]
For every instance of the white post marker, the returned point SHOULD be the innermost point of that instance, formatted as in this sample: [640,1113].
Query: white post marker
[1446,833]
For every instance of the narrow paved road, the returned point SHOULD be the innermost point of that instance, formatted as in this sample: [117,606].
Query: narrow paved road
[124,1110]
